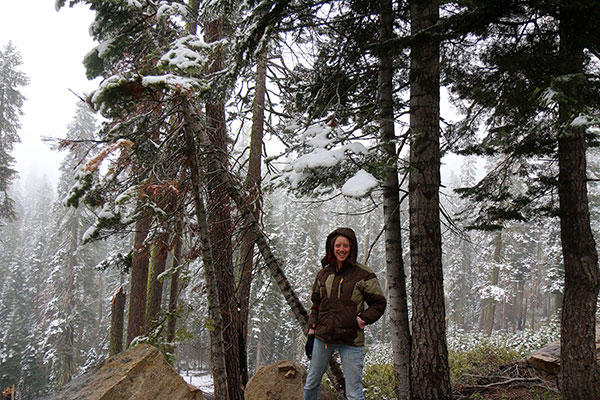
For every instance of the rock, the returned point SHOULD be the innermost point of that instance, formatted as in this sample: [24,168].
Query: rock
[140,373]
[546,359]
[283,380]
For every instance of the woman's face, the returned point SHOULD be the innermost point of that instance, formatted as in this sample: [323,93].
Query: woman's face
[341,248]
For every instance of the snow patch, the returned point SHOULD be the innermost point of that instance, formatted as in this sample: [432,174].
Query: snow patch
[360,184]
[318,158]
[201,379]
[173,81]
[581,121]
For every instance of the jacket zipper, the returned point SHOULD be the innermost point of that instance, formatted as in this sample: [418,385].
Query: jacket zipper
[340,287]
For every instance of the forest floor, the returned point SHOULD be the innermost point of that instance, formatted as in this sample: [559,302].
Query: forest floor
[514,381]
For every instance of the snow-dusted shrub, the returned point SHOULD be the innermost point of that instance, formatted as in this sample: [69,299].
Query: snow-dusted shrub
[378,382]
[379,353]
[482,359]
[523,342]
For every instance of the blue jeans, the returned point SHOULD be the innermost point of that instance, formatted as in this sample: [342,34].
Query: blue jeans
[352,361]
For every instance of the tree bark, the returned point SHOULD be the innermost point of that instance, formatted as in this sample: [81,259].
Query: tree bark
[221,229]
[253,189]
[396,280]
[192,127]
[100,317]
[136,321]
[430,378]
[174,286]
[217,346]
[491,305]
[578,368]
[68,362]
[117,312]
[158,261]
[519,286]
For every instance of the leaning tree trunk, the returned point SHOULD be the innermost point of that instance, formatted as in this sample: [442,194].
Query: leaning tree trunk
[396,280]
[578,369]
[430,377]
[136,321]
[253,188]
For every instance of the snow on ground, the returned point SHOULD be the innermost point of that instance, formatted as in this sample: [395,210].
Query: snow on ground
[201,379]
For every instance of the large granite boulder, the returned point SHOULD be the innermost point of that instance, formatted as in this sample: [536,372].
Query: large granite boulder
[140,373]
[547,358]
[283,380]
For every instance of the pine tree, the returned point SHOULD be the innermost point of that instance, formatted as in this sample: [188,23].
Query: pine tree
[545,114]
[11,104]
[76,296]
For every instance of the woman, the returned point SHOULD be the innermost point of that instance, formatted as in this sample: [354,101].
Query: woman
[338,315]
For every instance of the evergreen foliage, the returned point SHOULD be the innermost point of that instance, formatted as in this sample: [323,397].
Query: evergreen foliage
[517,60]
[11,103]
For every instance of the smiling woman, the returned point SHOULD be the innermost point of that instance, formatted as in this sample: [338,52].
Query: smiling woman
[52,45]
[338,315]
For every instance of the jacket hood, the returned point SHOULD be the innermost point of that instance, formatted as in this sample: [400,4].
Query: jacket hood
[347,232]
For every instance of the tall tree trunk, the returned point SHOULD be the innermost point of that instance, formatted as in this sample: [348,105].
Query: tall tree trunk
[525,308]
[520,294]
[174,286]
[68,364]
[578,368]
[136,321]
[430,377]
[217,346]
[221,229]
[117,312]
[396,280]
[158,261]
[491,306]
[253,189]
[483,309]
[259,348]
[191,128]
[100,317]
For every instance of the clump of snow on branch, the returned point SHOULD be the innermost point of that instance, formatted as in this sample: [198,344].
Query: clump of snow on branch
[103,48]
[166,9]
[318,158]
[134,3]
[324,151]
[493,292]
[360,184]
[111,82]
[549,97]
[172,81]
[187,52]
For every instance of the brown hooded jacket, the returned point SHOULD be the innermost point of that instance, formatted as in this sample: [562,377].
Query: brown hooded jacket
[339,296]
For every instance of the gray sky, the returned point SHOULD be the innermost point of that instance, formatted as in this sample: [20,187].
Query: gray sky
[52,45]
